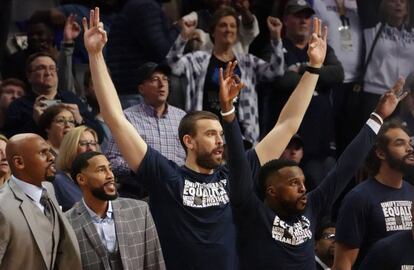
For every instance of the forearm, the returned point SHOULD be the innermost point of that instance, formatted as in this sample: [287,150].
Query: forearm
[106,94]
[65,75]
[291,116]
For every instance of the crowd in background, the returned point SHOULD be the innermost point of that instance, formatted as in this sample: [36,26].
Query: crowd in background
[165,59]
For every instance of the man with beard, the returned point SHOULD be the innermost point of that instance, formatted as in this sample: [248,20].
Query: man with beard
[278,233]
[34,233]
[112,233]
[324,244]
[190,203]
[379,206]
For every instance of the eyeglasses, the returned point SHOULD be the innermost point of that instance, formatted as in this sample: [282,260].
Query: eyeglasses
[154,80]
[64,122]
[87,143]
[42,69]
[328,236]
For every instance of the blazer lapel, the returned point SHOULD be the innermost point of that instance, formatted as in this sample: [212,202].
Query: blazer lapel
[121,232]
[91,233]
[27,210]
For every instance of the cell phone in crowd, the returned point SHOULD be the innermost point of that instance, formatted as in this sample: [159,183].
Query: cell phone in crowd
[51,102]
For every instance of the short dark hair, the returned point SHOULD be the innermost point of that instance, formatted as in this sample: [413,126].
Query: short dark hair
[45,120]
[81,162]
[269,169]
[372,162]
[12,81]
[36,55]
[322,225]
[188,124]
[220,13]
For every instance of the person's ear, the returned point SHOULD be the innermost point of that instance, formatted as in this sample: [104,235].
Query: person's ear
[18,162]
[188,142]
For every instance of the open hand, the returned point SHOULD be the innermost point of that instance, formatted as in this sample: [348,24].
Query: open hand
[230,86]
[317,44]
[389,101]
[94,36]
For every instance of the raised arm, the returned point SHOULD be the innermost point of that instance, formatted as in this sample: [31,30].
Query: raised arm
[277,139]
[130,143]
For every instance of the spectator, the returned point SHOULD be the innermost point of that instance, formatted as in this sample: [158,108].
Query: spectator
[32,223]
[407,108]
[294,150]
[201,68]
[157,122]
[149,39]
[23,113]
[176,208]
[79,140]
[247,21]
[54,123]
[317,128]
[379,206]
[393,252]
[324,245]
[113,233]
[277,233]
[10,90]
[345,37]
[4,165]
[388,33]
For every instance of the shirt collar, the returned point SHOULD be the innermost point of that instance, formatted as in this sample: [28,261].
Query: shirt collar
[321,263]
[97,218]
[150,110]
[32,191]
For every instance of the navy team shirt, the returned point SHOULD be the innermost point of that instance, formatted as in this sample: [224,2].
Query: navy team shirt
[268,241]
[395,252]
[372,211]
[192,213]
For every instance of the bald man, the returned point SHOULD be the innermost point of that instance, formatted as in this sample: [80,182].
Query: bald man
[34,233]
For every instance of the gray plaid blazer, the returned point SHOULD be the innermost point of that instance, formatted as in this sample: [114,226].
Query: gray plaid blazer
[136,234]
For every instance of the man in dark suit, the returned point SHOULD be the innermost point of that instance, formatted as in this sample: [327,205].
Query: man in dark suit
[34,233]
[112,233]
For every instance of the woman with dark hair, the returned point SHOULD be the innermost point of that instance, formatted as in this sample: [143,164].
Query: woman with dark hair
[54,123]
[202,68]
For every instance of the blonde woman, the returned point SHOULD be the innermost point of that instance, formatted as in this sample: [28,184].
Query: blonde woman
[4,166]
[79,140]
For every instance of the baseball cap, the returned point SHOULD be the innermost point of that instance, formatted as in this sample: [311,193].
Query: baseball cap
[146,70]
[294,6]
[296,141]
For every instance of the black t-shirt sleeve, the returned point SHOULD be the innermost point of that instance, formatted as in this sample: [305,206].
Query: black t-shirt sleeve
[155,170]
[378,258]
[351,223]
[240,175]
[338,178]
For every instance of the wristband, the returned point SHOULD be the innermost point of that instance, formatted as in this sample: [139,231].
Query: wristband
[228,113]
[313,70]
[378,117]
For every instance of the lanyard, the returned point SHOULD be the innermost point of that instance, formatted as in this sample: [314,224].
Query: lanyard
[342,13]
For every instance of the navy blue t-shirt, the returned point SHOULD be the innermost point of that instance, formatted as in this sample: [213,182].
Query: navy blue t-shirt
[192,213]
[372,211]
[268,241]
[395,252]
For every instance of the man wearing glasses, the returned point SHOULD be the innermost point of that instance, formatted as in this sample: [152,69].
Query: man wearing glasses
[325,245]
[23,114]
[156,120]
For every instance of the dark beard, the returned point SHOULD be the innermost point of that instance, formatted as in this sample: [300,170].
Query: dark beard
[291,208]
[206,161]
[100,194]
[399,164]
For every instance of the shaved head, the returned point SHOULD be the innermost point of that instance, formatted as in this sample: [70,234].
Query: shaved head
[30,158]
